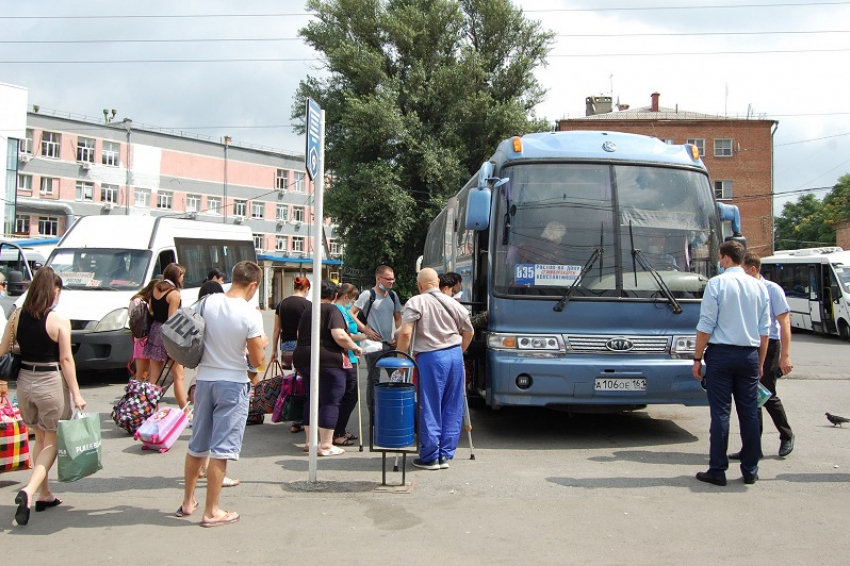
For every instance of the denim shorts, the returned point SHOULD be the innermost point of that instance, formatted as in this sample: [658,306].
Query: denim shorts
[218,422]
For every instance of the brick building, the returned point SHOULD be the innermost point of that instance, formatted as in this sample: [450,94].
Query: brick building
[738,153]
[70,166]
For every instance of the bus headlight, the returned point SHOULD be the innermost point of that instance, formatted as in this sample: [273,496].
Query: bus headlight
[115,320]
[684,346]
[530,342]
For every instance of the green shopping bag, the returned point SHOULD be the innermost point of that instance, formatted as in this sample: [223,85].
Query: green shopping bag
[78,444]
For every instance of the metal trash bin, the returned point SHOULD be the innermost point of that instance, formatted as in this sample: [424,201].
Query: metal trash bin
[393,426]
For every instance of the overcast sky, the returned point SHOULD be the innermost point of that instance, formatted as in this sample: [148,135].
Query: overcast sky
[779,59]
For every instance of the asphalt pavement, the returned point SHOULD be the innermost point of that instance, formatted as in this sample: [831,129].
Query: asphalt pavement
[544,488]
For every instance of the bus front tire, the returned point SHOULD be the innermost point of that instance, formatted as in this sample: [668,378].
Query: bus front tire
[844,331]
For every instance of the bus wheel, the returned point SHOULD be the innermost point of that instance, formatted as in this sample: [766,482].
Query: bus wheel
[844,331]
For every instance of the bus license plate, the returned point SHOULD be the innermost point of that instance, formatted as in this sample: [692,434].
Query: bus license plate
[620,384]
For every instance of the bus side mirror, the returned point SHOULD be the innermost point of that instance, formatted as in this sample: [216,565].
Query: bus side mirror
[478,209]
[484,175]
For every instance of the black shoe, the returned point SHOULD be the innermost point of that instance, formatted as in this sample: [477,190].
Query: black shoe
[432,465]
[22,513]
[444,463]
[735,455]
[786,447]
[750,480]
[712,477]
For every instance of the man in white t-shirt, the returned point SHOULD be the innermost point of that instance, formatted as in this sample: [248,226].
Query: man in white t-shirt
[221,391]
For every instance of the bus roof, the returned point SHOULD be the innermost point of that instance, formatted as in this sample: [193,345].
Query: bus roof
[597,145]
[136,232]
[831,254]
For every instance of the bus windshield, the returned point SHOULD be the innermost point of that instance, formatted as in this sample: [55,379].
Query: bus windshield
[89,268]
[552,217]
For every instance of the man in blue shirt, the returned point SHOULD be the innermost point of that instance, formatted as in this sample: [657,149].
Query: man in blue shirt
[732,333]
[778,360]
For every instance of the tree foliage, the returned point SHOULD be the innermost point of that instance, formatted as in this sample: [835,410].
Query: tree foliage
[836,204]
[802,225]
[416,93]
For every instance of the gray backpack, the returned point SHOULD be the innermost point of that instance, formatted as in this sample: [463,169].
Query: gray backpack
[183,335]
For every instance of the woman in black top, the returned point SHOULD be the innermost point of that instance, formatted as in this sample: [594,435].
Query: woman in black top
[334,341]
[286,317]
[165,300]
[45,340]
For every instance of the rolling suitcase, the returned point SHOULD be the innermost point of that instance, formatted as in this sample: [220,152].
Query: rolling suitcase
[162,429]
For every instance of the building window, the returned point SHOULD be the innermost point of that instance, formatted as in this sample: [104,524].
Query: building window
[281,179]
[25,145]
[723,147]
[193,203]
[48,226]
[25,183]
[700,143]
[85,190]
[281,212]
[297,244]
[109,193]
[50,143]
[298,183]
[334,247]
[85,150]
[213,205]
[239,207]
[722,190]
[298,213]
[47,185]
[668,141]
[259,242]
[258,210]
[163,199]
[280,244]
[111,154]
[142,198]
[22,224]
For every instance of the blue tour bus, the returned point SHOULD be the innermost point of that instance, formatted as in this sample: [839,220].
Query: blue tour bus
[584,258]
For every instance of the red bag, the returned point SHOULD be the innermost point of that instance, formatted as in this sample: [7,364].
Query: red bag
[14,439]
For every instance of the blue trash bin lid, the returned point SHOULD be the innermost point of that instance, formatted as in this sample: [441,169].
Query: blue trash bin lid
[394,363]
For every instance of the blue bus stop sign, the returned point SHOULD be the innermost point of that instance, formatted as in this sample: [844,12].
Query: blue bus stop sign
[313,156]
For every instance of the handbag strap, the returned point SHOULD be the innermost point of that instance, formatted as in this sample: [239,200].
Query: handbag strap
[447,309]
[270,366]
[14,323]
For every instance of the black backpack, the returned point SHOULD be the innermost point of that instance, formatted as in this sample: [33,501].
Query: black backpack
[363,315]
[140,319]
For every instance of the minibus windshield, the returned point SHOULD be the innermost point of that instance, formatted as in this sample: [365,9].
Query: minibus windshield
[120,270]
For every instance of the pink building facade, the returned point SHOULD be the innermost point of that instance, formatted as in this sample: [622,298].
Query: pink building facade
[75,166]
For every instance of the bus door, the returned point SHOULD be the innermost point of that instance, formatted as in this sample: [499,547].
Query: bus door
[815,305]
[830,297]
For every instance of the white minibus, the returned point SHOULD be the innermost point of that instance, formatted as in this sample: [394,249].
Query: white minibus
[105,260]
[817,285]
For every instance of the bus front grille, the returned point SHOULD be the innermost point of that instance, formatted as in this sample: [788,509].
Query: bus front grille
[617,344]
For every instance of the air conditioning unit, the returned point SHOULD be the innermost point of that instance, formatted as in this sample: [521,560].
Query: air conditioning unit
[25,157]
[238,219]
[85,165]
[108,206]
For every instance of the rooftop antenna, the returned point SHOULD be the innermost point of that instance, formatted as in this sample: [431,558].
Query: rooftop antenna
[726,102]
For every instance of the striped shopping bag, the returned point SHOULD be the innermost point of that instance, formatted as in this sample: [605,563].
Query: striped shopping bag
[14,439]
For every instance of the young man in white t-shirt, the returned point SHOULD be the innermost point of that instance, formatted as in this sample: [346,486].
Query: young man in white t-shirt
[221,391]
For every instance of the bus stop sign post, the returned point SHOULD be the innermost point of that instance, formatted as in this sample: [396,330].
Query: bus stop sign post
[316,171]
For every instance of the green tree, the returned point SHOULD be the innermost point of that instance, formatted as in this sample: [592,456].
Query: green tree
[836,204]
[416,93]
[802,225]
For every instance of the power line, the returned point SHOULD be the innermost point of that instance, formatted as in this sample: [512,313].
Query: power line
[535,11]
[274,39]
[313,59]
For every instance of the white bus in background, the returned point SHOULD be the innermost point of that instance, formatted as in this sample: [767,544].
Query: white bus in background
[817,285]
[105,260]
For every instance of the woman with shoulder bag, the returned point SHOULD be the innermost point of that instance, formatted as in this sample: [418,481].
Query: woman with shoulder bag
[164,303]
[44,337]
[286,318]
[142,363]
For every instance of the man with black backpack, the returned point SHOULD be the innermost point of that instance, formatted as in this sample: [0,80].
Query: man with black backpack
[378,314]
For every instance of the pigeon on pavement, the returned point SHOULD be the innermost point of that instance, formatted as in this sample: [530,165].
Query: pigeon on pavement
[836,420]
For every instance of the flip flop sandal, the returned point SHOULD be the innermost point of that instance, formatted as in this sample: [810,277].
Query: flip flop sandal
[343,441]
[181,513]
[45,505]
[332,451]
[296,428]
[230,517]
[227,482]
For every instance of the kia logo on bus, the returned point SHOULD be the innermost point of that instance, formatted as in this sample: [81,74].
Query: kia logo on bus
[609,146]
[619,344]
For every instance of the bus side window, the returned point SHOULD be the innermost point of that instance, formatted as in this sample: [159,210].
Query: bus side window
[164,258]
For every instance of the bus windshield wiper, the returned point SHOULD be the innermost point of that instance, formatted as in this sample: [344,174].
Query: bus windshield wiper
[662,285]
[597,252]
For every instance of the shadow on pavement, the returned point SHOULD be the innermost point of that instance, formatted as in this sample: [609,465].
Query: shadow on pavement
[735,485]
[66,517]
